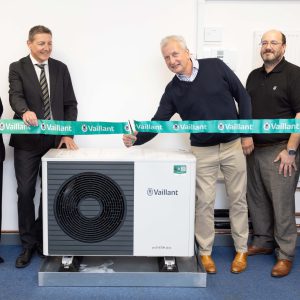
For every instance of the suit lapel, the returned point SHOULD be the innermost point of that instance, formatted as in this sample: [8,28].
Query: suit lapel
[31,73]
[52,79]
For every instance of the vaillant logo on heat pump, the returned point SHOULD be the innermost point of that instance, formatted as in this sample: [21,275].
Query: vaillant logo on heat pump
[161,192]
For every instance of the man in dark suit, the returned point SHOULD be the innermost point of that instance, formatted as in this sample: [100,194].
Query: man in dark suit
[2,157]
[40,88]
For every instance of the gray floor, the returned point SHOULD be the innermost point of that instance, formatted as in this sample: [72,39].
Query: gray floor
[254,283]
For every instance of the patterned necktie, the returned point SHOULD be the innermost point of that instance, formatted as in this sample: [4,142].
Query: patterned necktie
[45,93]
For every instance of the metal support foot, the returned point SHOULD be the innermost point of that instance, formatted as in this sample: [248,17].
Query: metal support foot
[167,264]
[70,263]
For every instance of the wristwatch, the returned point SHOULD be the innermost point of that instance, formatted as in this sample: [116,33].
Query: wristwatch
[292,152]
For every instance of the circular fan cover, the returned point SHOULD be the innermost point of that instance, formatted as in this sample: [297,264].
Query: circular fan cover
[90,207]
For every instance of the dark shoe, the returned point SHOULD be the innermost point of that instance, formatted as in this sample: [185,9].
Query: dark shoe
[39,250]
[282,268]
[253,250]
[1,260]
[239,263]
[208,264]
[24,258]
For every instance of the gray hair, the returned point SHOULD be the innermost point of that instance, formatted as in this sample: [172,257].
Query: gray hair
[177,38]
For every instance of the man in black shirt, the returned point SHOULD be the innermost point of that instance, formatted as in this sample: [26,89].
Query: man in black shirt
[273,165]
[206,89]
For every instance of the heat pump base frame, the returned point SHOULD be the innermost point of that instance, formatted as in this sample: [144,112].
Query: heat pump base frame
[123,271]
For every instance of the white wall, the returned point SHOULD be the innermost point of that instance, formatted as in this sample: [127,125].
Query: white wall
[238,21]
[112,50]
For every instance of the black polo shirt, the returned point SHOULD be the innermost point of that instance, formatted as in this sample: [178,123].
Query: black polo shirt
[274,95]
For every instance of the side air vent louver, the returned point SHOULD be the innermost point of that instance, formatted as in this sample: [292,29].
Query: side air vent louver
[90,207]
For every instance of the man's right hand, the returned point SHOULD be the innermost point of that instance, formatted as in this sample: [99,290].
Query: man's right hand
[287,163]
[29,118]
[129,139]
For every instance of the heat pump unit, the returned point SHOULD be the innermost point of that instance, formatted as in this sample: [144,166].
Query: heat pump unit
[118,202]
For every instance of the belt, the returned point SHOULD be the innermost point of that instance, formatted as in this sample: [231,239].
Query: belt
[270,144]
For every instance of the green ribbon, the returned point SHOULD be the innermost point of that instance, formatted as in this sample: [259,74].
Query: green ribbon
[221,126]
[64,127]
[214,126]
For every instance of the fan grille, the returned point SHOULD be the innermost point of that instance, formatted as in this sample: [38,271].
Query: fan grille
[90,207]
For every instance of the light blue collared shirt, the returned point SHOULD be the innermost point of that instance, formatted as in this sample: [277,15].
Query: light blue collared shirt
[195,69]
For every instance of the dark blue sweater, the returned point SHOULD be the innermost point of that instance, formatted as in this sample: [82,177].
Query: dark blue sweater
[209,97]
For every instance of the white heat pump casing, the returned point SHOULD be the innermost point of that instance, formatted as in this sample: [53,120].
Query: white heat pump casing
[163,202]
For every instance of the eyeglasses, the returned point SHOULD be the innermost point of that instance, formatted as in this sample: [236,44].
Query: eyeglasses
[271,43]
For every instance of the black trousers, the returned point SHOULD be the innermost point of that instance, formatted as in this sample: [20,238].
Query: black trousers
[1,183]
[27,167]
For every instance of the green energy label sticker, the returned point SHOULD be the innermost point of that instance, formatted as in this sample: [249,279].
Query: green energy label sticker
[179,169]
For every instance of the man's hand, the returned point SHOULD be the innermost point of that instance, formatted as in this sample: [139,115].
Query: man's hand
[29,118]
[247,145]
[69,142]
[287,163]
[129,139]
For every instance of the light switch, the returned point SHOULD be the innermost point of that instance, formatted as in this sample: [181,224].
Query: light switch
[212,34]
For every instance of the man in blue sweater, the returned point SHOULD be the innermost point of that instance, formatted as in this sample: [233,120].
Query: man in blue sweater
[207,89]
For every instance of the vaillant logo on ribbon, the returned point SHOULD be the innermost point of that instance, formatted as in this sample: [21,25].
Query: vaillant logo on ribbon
[175,126]
[221,126]
[84,128]
[161,192]
[267,126]
[43,126]
[2,126]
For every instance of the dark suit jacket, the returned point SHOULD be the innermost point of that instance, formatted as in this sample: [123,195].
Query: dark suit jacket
[25,94]
[2,156]
[2,149]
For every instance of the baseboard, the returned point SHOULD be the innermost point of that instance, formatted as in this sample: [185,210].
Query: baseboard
[224,240]
[10,239]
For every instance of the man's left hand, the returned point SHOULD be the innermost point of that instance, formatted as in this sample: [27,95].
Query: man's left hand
[247,145]
[287,163]
[69,142]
